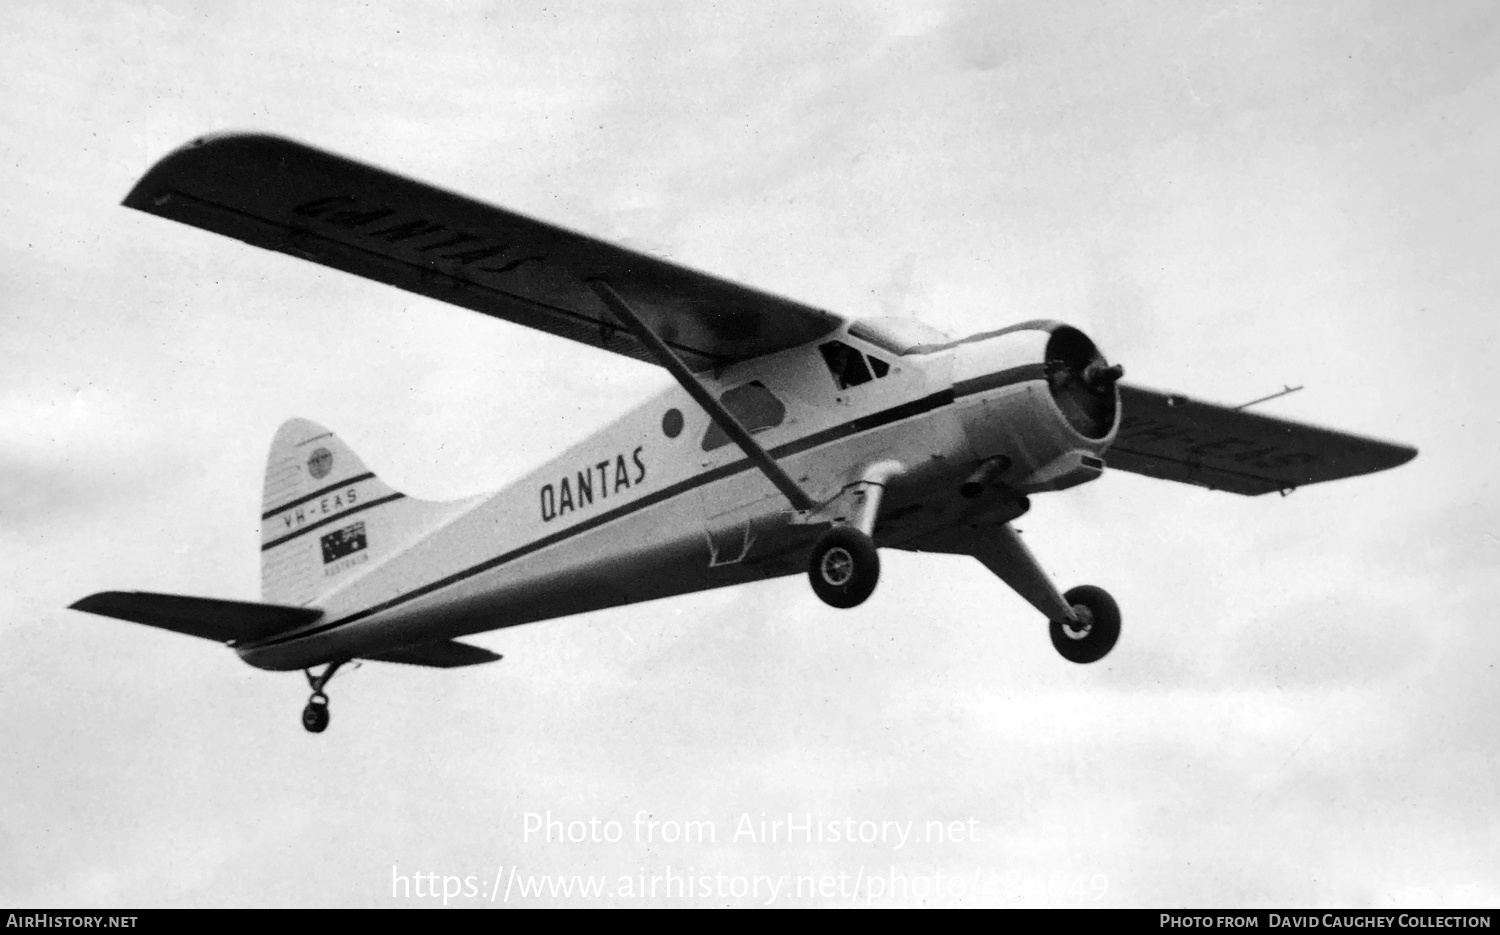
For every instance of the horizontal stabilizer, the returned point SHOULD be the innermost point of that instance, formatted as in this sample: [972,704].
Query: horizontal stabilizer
[222,621]
[446,655]
[1175,437]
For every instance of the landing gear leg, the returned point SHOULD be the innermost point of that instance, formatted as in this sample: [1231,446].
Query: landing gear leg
[1084,623]
[315,715]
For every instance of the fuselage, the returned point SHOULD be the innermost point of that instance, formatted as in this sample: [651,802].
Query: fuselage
[661,502]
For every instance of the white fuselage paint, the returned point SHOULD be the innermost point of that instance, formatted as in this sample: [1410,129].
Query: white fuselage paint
[680,519]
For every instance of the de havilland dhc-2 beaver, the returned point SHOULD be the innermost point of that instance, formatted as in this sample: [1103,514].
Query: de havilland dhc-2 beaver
[795,439]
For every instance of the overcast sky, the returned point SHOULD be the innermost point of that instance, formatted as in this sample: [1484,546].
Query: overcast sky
[1302,709]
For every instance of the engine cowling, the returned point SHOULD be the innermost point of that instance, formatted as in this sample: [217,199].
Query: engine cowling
[1038,404]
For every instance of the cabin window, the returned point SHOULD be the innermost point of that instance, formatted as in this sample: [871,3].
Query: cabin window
[846,364]
[879,367]
[753,406]
[671,423]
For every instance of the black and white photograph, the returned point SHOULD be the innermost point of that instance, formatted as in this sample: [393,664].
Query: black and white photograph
[760,455]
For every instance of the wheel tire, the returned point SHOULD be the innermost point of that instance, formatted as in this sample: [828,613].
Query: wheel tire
[844,567]
[1094,641]
[315,717]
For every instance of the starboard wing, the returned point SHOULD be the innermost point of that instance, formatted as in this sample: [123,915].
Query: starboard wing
[292,198]
[1175,437]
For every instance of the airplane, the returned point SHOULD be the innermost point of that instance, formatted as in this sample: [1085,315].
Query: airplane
[795,439]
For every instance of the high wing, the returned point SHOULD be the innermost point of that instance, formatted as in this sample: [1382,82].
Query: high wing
[1174,437]
[295,199]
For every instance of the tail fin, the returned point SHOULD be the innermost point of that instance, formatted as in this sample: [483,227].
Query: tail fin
[326,518]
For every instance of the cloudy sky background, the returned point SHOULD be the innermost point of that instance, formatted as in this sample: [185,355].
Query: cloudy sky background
[1302,710]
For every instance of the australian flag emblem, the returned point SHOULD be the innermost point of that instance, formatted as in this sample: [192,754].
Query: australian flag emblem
[343,542]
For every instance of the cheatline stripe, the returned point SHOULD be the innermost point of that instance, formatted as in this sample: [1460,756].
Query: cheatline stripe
[512,555]
[863,424]
[368,505]
[992,381]
[316,494]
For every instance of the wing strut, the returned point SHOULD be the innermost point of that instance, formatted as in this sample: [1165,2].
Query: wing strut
[702,396]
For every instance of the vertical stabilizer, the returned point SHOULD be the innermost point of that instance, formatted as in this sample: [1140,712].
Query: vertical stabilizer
[326,518]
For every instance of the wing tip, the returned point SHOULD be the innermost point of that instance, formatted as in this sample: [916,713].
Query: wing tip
[98,603]
[148,195]
[1388,455]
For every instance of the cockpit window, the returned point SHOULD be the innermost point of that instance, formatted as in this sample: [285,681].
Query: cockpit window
[879,367]
[755,408]
[846,364]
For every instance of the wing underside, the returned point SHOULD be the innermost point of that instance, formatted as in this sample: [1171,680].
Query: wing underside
[294,199]
[1174,437]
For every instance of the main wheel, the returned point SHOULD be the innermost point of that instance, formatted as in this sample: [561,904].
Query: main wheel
[315,716]
[844,567]
[1093,635]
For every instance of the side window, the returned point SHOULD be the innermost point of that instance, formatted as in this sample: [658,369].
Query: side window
[880,367]
[846,364]
[754,407]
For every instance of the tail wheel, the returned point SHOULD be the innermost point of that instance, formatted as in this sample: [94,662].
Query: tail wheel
[844,567]
[315,715]
[1093,633]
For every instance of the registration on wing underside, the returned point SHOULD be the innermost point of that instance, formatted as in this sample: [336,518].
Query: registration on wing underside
[1174,437]
[295,199]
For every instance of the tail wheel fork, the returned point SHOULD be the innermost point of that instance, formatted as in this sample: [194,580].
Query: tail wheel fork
[315,715]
